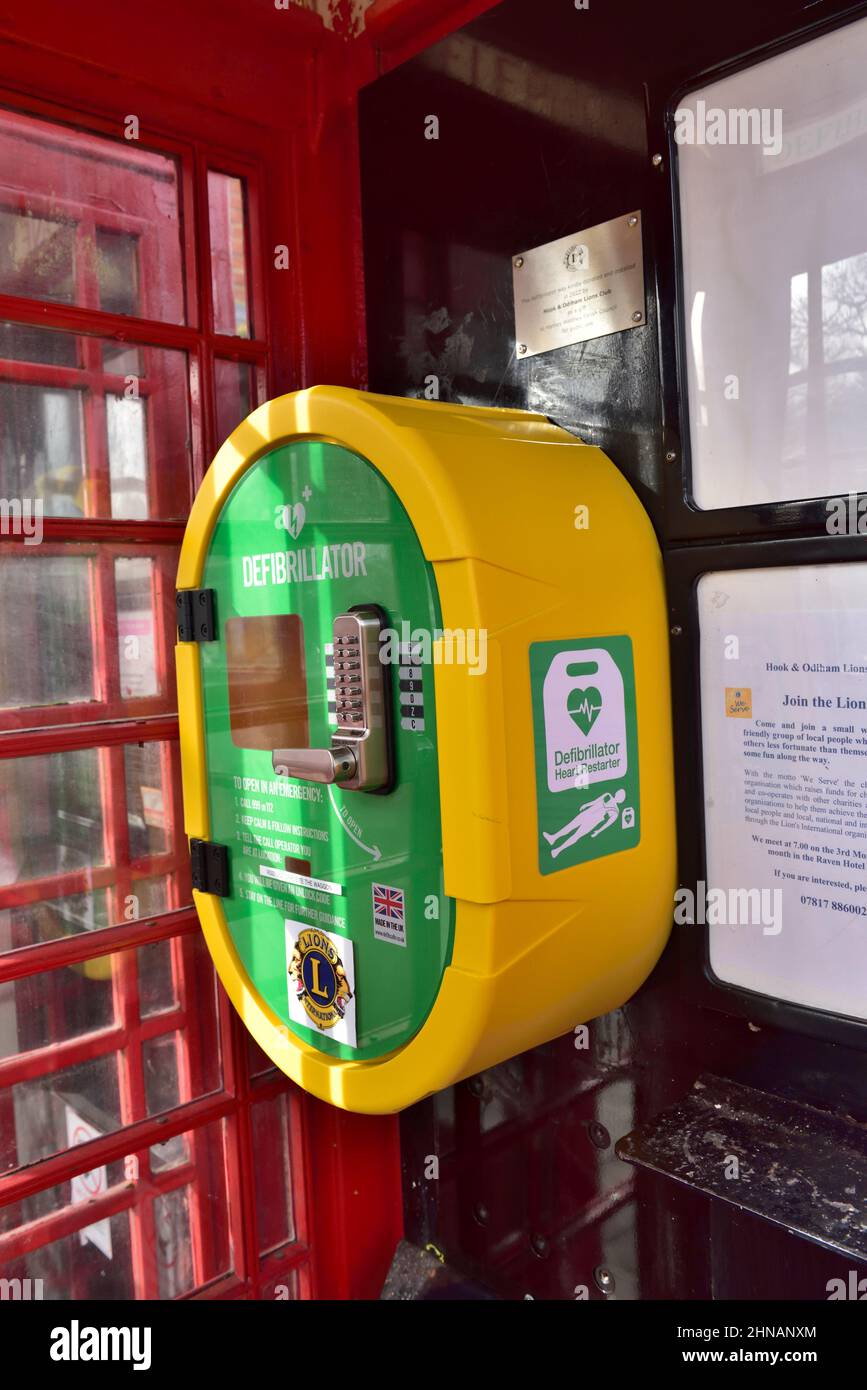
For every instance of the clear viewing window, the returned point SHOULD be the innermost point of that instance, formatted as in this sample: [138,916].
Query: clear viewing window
[267,682]
[784,727]
[772,177]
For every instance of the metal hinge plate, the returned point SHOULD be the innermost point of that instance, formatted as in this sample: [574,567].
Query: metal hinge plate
[210,864]
[197,620]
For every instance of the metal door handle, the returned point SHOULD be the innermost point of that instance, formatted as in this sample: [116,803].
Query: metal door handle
[360,758]
[338,764]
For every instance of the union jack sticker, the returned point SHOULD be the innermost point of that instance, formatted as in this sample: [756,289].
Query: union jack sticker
[389,914]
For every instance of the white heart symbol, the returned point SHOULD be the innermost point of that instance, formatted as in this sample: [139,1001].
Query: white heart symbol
[296,517]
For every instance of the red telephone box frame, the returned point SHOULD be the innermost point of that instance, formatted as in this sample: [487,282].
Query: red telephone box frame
[345,1169]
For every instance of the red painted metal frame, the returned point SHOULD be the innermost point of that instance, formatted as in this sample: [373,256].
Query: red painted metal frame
[271,99]
[105,723]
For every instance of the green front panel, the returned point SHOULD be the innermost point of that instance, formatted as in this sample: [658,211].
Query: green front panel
[310,531]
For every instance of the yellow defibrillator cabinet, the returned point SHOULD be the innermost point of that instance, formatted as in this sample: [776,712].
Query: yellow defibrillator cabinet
[425,736]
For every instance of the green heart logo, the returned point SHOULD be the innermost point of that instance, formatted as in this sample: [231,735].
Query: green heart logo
[584,707]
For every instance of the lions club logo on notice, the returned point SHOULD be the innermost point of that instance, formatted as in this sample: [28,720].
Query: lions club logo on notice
[739,703]
[321,981]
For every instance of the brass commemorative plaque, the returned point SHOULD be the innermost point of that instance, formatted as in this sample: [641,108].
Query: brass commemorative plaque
[580,287]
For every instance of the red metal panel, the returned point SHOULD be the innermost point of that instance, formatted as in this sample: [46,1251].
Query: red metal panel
[354,1200]
[242,51]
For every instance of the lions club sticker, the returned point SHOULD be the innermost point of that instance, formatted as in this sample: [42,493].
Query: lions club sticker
[321,975]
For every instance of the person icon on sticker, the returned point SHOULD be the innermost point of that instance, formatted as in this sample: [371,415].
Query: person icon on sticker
[592,819]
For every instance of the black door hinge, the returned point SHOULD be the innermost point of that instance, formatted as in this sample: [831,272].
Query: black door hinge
[197,621]
[210,867]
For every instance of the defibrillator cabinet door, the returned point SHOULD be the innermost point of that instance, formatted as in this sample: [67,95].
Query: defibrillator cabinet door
[321,757]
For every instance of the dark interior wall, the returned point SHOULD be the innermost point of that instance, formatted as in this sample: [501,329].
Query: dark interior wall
[548,120]
[527,152]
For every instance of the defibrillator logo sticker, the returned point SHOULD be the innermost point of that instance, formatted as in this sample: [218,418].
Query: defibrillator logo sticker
[586,746]
[290,517]
[321,979]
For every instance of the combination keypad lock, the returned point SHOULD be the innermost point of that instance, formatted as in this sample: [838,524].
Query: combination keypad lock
[359,758]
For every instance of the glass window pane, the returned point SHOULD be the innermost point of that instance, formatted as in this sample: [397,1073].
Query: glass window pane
[55,1005]
[117,272]
[173,1242]
[161,1073]
[170,1154]
[37,254]
[58,644]
[90,221]
[121,359]
[39,1118]
[136,627]
[70,860]
[122,1077]
[774,275]
[257,1062]
[233,382]
[41,447]
[157,991]
[127,456]
[50,918]
[47,918]
[145,765]
[21,343]
[272,1162]
[94,1262]
[227,219]
[112,441]
[53,818]
[46,636]
[151,897]
[145,1230]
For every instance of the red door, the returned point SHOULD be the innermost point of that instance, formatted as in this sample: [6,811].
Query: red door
[147,1148]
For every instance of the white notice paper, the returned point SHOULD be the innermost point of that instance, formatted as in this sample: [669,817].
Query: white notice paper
[784,721]
[86,1187]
